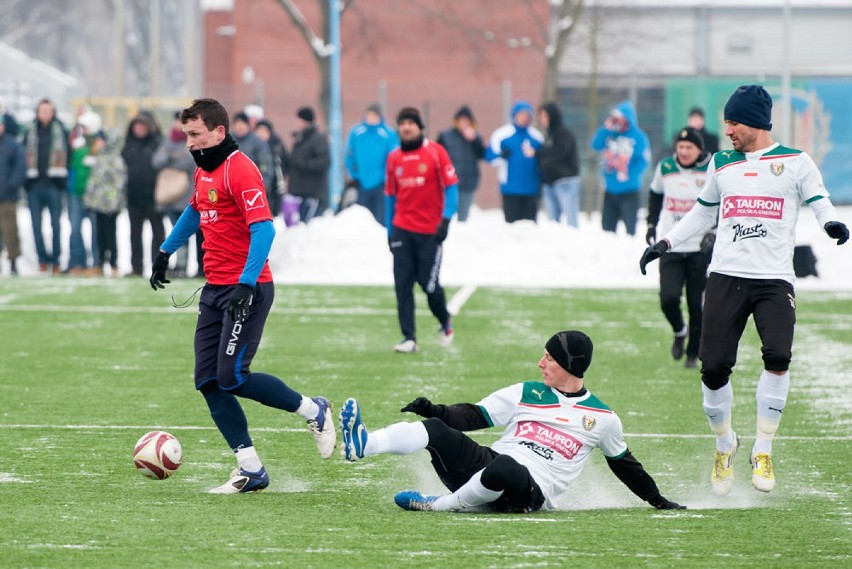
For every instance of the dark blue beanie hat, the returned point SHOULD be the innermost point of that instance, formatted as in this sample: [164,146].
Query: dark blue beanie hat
[750,105]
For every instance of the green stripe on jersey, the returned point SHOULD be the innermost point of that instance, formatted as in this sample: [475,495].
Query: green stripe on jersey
[707,204]
[486,415]
[725,157]
[781,150]
[537,393]
[595,403]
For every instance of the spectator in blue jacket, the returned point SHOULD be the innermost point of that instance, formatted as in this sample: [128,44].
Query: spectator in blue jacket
[626,154]
[512,150]
[367,149]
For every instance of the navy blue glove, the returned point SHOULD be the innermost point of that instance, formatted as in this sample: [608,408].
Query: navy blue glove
[653,252]
[421,406]
[240,303]
[662,504]
[443,228]
[837,230]
[158,271]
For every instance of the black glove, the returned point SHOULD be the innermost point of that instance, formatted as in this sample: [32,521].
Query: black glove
[158,271]
[421,406]
[662,504]
[443,228]
[707,242]
[651,234]
[653,252]
[240,303]
[837,230]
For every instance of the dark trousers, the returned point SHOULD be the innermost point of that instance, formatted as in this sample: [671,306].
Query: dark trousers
[416,258]
[138,216]
[728,302]
[676,271]
[456,458]
[622,207]
[310,208]
[373,200]
[105,226]
[516,208]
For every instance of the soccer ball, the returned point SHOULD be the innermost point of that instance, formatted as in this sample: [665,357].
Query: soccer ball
[157,455]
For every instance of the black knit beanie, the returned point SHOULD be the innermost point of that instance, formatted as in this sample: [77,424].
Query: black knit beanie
[692,135]
[306,114]
[750,105]
[572,350]
[411,114]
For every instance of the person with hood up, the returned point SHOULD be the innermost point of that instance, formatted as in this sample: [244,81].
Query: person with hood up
[141,141]
[367,149]
[559,164]
[512,150]
[625,155]
[465,147]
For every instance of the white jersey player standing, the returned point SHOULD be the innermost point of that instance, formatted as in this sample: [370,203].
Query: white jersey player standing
[551,429]
[757,190]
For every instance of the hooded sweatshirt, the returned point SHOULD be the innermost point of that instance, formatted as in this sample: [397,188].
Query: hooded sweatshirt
[558,158]
[517,173]
[624,155]
[367,152]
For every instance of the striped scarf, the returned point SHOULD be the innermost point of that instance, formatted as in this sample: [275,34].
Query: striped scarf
[57,166]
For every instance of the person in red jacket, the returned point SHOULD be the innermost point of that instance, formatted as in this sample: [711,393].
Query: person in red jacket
[230,207]
[422,195]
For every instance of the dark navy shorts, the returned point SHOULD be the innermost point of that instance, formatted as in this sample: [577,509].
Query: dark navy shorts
[223,348]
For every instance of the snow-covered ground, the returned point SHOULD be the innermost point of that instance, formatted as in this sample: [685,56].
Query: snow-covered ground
[351,248]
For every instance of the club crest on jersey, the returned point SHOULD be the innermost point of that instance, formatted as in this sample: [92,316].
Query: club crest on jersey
[421,168]
[699,183]
[212,195]
[776,168]
[589,422]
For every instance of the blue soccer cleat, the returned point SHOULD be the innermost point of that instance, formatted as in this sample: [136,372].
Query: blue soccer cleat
[243,481]
[413,500]
[353,430]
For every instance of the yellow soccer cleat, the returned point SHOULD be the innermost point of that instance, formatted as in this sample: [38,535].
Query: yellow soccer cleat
[762,473]
[722,477]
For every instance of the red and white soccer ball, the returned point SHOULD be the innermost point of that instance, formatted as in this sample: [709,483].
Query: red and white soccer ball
[157,455]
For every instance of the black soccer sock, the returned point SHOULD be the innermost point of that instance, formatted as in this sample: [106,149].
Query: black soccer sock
[229,417]
[270,391]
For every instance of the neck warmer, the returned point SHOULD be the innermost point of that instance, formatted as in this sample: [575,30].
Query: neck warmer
[208,159]
[412,144]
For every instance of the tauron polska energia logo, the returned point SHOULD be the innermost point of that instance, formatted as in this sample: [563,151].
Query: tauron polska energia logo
[563,443]
[753,206]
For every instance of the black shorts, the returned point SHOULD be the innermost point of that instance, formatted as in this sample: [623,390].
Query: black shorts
[728,303]
[224,349]
[456,458]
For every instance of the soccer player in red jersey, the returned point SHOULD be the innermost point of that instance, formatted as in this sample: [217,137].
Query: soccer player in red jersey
[422,195]
[229,205]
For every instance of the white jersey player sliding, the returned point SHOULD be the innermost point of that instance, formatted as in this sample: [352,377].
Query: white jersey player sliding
[551,428]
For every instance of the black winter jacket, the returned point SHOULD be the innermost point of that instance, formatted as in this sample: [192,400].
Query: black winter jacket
[308,164]
[558,157]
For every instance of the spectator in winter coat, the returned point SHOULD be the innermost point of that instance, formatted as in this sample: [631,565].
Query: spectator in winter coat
[308,166]
[87,142]
[559,164]
[512,149]
[278,186]
[367,149]
[695,119]
[625,155]
[252,146]
[140,143]
[13,169]
[464,145]
[48,153]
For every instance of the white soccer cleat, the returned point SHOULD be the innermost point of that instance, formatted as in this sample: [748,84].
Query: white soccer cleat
[762,472]
[406,347]
[323,429]
[722,476]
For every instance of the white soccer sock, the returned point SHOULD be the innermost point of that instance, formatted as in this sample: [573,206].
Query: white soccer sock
[399,438]
[771,396]
[247,459]
[471,495]
[308,409]
[717,406]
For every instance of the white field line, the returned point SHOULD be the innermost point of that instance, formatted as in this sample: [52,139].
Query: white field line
[301,430]
[455,304]
[190,311]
